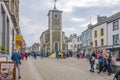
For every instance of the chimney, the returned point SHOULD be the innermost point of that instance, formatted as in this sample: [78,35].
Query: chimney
[100,18]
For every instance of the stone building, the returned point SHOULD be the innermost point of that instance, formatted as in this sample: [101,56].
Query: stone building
[9,24]
[53,39]
[13,9]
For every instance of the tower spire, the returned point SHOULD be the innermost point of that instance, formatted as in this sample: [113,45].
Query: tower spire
[90,20]
[55,1]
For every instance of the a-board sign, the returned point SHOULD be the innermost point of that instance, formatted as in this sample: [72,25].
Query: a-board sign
[7,70]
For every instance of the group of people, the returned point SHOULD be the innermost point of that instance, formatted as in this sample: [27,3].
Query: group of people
[104,59]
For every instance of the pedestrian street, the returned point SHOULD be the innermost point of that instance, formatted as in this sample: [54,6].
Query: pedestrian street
[59,69]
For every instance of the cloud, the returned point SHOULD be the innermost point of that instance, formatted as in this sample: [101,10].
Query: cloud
[76,15]
[70,4]
[78,19]
[31,30]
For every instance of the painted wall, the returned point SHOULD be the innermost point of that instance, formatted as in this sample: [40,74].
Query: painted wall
[86,37]
[99,37]
[111,33]
[70,46]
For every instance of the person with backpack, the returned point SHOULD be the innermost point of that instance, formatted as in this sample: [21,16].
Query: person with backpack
[92,62]
[16,57]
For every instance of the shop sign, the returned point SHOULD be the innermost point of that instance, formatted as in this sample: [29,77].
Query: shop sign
[7,71]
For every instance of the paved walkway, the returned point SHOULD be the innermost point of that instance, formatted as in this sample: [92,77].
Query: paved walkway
[28,71]
[59,69]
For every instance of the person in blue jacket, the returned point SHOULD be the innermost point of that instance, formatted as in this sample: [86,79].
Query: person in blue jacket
[16,57]
[101,62]
[35,55]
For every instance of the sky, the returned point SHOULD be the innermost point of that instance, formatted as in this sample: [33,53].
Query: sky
[77,14]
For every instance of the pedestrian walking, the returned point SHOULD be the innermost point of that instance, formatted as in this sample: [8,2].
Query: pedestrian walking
[16,57]
[26,55]
[42,54]
[35,55]
[92,62]
[101,62]
[1,77]
[23,55]
[106,63]
[110,61]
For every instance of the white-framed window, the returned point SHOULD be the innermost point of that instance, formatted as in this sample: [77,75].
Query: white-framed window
[102,42]
[115,39]
[102,32]
[96,43]
[115,25]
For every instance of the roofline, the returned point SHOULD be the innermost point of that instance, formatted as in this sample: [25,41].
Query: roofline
[54,11]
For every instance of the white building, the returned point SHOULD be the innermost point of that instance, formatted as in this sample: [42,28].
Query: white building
[70,47]
[79,43]
[114,33]
[99,34]
[7,30]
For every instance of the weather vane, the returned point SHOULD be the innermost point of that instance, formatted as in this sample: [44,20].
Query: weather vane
[55,1]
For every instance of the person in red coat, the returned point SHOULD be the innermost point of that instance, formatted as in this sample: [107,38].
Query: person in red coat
[23,55]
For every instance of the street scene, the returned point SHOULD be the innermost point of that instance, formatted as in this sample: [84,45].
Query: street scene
[59,40]
[63,69]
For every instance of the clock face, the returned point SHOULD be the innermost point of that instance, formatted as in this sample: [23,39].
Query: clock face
[56,27]
[56,16]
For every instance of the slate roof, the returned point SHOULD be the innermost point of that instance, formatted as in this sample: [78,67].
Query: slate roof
[113,17]
[109,19]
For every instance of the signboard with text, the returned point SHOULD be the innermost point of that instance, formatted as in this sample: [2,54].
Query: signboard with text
[19,38]
[7,70]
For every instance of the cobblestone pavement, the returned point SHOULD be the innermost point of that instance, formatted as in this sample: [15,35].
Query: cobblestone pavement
[66,69]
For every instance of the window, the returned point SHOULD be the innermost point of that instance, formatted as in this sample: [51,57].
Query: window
[102,32]
[95,34]
[56,15]
[115,25]
[102,42]
[115,38]
[95,42]
[75,46]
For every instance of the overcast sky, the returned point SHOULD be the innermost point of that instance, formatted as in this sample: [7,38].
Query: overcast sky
[76,15]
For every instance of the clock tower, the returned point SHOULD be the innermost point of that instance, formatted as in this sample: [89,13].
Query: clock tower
[55,29]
